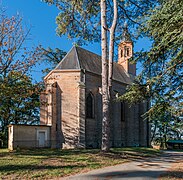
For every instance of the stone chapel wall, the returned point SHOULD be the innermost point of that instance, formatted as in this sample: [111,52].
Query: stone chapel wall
[93,126]
[65,100]
[129,130]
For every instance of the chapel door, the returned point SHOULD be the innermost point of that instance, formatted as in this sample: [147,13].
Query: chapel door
[41,138]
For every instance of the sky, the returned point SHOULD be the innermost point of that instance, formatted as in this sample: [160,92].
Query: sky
[41,17]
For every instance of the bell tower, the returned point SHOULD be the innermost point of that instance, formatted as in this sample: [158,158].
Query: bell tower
[125,52]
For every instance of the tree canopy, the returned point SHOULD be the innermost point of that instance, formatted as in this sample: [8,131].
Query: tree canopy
[19,99]
[161,79]
[80,20]
[161,76]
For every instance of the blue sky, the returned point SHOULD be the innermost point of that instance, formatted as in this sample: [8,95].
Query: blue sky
[41,17]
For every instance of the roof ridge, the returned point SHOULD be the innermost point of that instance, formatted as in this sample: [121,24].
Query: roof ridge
[88,51]
[95,54]
[77,57]
[114,62]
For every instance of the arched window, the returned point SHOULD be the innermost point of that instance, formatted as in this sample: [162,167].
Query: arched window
[90,106]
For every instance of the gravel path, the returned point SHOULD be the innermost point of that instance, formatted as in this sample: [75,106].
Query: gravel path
[144,169]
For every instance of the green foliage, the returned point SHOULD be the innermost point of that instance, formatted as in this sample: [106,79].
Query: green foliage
[161,76]
[76,19]
[52,57]
[136,93]
[19,99]
[161,79]
[80,20]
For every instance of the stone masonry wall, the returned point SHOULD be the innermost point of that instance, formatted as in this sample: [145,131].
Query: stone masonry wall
[93,126]
[130,131]
[66,108]
[67,113]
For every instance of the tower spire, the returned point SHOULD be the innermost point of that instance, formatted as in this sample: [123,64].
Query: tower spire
[125,51]
[126,35]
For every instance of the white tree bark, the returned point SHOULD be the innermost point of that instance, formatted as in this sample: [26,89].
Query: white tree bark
[105,95]
[111,43]
[107,71]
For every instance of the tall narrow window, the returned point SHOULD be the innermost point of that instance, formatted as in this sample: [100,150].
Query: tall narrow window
[128,51]
[121,53]
[122,111]
[90,106]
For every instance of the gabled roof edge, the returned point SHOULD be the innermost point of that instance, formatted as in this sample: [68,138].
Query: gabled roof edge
[77,57]
[63,58]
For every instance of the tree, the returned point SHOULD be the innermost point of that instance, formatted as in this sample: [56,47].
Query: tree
[161,79]
[19,97]
[19,101]
[92,21]
[14,53]
[167,128]
[52,57]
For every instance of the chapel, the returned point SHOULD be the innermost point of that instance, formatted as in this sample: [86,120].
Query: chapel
[71,104]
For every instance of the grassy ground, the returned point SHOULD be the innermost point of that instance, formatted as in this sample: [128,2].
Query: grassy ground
[47,163]
[174,173]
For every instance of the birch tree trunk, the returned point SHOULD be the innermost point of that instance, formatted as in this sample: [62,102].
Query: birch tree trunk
[107,72]
[105,94]
[111,44]
[111,57]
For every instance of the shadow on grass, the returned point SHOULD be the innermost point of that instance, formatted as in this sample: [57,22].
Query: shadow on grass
[136,152]
[115,153]
[12,168]
[50,152]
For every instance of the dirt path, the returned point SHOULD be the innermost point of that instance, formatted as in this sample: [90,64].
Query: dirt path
[150,168]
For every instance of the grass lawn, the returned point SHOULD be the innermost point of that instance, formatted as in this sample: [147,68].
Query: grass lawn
[47,163]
